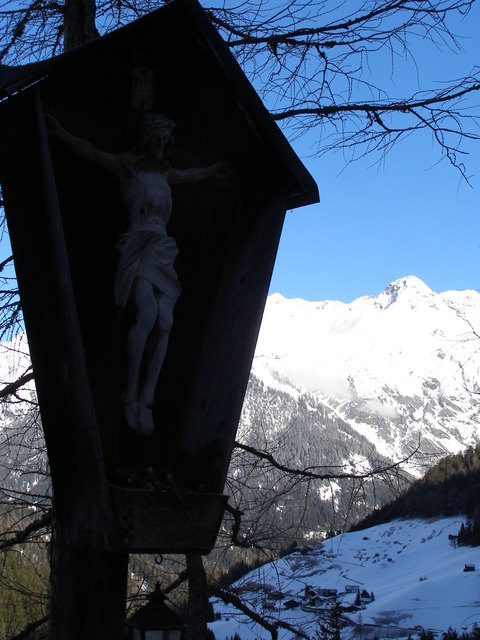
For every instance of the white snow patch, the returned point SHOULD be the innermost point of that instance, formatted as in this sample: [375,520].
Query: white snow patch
[411,566]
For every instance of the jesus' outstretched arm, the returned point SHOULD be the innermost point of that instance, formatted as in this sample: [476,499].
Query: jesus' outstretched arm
[117,163]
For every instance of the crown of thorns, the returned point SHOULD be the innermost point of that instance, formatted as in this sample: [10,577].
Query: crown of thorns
[156,121]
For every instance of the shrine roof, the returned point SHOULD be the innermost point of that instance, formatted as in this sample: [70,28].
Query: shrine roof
[183,19]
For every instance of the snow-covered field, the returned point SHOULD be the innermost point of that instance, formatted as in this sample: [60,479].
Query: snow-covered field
[414,571]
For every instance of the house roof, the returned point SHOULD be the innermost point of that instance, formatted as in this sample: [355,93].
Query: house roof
[183,18]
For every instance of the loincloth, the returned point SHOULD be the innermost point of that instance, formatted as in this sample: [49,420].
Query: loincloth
[150,255]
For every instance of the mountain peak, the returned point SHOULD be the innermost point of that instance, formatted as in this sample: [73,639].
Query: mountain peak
[408,287]
[408,282]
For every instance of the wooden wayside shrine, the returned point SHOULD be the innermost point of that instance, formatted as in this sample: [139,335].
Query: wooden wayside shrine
[131,473]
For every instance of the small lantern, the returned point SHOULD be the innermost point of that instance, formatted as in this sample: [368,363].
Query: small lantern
[156,620]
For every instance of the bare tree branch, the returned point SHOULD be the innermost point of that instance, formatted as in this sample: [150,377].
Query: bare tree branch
[30,628]
[403,106]
[13,387]
[23,535]
[181,579]
[310,61]
[309,473]
[229,597]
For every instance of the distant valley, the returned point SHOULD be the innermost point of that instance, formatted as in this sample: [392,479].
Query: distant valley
[411,568]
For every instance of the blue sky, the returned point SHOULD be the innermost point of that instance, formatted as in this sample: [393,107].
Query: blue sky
[408,216]
[374,225]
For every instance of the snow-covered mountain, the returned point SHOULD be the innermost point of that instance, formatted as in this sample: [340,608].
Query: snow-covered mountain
[399,369]
[415,572]
[348,386]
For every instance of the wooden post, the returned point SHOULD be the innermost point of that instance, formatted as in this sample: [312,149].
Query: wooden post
[88,592]
[198,604]
[89,584]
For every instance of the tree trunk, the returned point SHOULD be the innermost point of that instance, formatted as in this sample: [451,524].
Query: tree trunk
[78,23]
[198,605]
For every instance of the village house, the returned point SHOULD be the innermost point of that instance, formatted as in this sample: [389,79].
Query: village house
[352,588]
[327,593]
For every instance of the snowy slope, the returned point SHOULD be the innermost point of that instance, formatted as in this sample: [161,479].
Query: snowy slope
[14,363]
[413,569]
[398,366]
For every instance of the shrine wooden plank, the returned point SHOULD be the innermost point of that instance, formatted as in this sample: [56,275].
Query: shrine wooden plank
[68,229]
[68,416]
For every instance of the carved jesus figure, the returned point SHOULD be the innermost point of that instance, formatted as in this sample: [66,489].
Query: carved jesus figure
[145,273]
